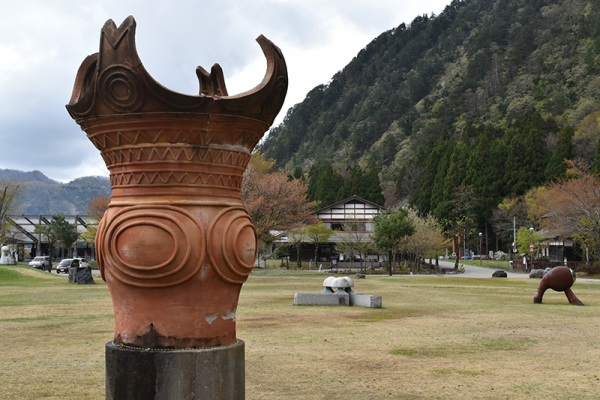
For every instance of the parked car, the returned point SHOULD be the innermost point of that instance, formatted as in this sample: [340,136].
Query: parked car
[40,262]
[67,263]
[83,263]
[64,266]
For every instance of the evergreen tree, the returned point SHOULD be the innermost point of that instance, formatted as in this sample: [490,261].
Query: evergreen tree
[353,184]
[372,187]
[557,167]
[485,172]
[362,184]
[324,184]
[527,153]
[431,174]
[455,176]
[297,174]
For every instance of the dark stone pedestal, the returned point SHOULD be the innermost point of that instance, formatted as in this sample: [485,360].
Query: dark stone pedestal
[187,374]
[81,276]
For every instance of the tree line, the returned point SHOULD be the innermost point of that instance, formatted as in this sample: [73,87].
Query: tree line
[277,202]
[567,205]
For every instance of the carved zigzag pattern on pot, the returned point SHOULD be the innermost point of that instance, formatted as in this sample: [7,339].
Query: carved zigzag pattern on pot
[177,154]
[175,178]
[108,139]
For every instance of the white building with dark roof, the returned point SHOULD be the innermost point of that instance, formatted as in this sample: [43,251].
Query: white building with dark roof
[351,221]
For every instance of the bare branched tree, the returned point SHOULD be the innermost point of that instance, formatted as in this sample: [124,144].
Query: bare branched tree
[9,204]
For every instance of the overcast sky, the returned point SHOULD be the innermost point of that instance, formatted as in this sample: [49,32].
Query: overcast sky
[43,42]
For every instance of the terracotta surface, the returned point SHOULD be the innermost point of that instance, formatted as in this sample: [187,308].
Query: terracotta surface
[559,279]
[175,245]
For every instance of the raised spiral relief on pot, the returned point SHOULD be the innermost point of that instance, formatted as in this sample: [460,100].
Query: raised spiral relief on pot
[120,88]
[151,246]
[232,244]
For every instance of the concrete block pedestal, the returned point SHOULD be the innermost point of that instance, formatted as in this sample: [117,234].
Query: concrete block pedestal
[184,374]
[343,296]
[320,299]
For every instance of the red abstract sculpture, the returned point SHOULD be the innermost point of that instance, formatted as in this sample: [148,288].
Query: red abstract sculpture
[176,244]
[559,279]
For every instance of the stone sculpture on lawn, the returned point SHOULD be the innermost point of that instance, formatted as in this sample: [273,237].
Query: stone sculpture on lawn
[559,279]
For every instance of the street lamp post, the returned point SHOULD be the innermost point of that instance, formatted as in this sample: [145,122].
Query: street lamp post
[531,246]
[480,236]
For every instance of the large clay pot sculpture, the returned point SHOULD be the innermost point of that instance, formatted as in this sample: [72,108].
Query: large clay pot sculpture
[176,244]
[559,279]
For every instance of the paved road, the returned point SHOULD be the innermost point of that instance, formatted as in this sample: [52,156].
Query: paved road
[479,272]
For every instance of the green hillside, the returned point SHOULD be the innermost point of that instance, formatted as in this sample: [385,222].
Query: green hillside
[481,102]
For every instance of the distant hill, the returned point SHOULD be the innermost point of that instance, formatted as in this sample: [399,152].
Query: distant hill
[43,195]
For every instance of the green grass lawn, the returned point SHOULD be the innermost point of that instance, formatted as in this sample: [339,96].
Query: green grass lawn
[435,338]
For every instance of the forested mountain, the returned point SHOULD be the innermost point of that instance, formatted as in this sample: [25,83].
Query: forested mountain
[42,195]
[454,112]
